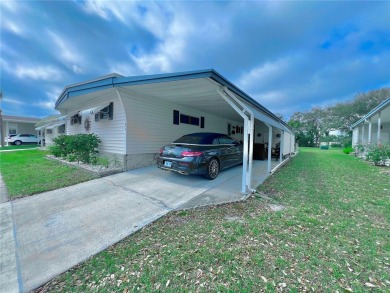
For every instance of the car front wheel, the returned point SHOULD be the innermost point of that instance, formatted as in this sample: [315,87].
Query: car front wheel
[212,169]
[17,142]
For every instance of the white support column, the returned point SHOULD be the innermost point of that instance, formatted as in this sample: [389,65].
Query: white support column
[369,130]
[251,142]
[363,132]
[379,129]
[355,138]
[281,146]
[245,149]
[6,131]
[250,120]
[269,149]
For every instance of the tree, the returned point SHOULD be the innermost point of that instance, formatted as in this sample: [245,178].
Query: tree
[312,126]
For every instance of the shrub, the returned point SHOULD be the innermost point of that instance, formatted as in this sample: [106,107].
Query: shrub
[348,150]
[78,147]
[324,147]
[379,154]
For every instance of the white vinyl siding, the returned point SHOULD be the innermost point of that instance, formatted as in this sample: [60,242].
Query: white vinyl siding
[150,123]
[288,146]
[111,132]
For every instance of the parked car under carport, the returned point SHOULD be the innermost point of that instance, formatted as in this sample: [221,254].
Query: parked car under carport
[201,153]
[23,139]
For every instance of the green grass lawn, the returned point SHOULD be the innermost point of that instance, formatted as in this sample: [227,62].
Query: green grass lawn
[28,172]
[19,147]
[333,235]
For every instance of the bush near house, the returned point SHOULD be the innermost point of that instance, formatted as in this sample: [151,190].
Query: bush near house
[348,150]
[78,147]
[379,154]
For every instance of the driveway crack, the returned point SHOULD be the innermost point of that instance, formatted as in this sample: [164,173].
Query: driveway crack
[149,198]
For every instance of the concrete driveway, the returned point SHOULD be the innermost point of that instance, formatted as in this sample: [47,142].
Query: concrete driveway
[54,231]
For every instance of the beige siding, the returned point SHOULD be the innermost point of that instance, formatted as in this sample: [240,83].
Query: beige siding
[111,132]
[150,123]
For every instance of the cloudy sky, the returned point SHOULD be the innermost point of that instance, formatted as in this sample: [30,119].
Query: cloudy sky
[288,55]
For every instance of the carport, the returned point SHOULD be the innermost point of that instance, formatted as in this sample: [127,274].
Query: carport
[204,91]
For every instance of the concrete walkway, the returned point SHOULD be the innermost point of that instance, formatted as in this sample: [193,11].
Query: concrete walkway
[56,230]
[9,281]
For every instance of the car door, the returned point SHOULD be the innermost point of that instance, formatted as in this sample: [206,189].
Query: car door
[33,138]
[231,151]
[24,138]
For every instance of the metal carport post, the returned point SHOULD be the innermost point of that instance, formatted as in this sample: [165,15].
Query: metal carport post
[231,99]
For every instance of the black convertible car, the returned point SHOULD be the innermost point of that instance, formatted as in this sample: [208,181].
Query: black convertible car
[201,154]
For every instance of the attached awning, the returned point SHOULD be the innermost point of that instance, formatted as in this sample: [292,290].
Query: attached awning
[93,111]
[39,128]
[55,125]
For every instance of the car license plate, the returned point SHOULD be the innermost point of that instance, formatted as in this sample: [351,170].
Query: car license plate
[167,164]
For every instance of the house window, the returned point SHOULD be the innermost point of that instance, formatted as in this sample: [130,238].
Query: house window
[187,119]
[75,119]
[12,129]
[49,131]
[105,113]
[61,129]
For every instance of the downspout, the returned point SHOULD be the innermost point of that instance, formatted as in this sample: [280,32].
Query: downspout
[246,120]
[246,131]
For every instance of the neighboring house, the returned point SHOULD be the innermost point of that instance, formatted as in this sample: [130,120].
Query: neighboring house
[18,125]
[374,127]
[135,116]
[49,128]
[337,132]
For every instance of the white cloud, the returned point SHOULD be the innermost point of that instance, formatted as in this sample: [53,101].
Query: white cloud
[170,27]
[96,7]
[13,27]
[38,72]
[52,96]
[11,6]
[123,68]
[67,54]
[14,101]
[262,74]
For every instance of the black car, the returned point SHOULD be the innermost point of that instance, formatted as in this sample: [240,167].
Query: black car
[202,153]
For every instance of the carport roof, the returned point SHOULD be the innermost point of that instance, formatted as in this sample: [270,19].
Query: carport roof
[115,80]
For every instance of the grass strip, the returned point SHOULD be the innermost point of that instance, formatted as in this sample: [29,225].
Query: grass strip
[30,172]
[19,147]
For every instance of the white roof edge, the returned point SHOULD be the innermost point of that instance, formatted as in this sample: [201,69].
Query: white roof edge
[378,108]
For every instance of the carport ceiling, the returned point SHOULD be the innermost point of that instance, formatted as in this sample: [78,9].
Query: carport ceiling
[200,94]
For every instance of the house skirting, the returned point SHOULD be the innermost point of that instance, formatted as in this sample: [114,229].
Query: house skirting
[140,160]
[129,161]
